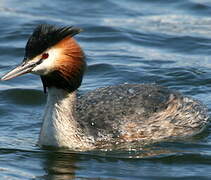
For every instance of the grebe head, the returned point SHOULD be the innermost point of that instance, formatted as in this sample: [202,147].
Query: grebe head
[52,53]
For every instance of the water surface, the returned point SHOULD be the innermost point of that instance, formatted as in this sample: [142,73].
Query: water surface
[150,41]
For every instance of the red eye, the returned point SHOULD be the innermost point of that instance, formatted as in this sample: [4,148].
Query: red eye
[45,56]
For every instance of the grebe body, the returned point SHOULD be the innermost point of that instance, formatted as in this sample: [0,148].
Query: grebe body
[105,116]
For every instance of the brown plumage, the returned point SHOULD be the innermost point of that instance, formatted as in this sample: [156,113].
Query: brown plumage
[105,116]
[69,68]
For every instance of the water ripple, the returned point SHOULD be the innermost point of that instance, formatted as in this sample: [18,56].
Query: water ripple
[164,42]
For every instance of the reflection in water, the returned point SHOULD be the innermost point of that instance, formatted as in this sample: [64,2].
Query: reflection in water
[59,165]
[63,165]
[164,42]
[67,165]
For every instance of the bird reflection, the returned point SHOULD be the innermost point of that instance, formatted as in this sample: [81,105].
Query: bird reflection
[60,165]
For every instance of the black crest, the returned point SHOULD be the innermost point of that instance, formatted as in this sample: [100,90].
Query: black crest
[45,36]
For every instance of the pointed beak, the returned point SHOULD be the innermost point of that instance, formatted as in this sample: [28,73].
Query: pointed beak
[23,68]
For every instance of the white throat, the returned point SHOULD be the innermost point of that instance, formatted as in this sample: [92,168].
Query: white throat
[60,128]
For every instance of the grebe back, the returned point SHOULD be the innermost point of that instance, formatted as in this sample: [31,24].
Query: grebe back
[113,114]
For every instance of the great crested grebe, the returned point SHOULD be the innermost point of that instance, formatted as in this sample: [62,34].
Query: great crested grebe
[122,113]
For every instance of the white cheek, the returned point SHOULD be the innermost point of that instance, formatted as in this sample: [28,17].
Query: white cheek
[48,64]
[44,68]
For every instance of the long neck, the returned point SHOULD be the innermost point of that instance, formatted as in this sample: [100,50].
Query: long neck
[60,127]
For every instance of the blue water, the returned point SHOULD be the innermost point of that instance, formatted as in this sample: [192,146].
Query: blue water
[138,41]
